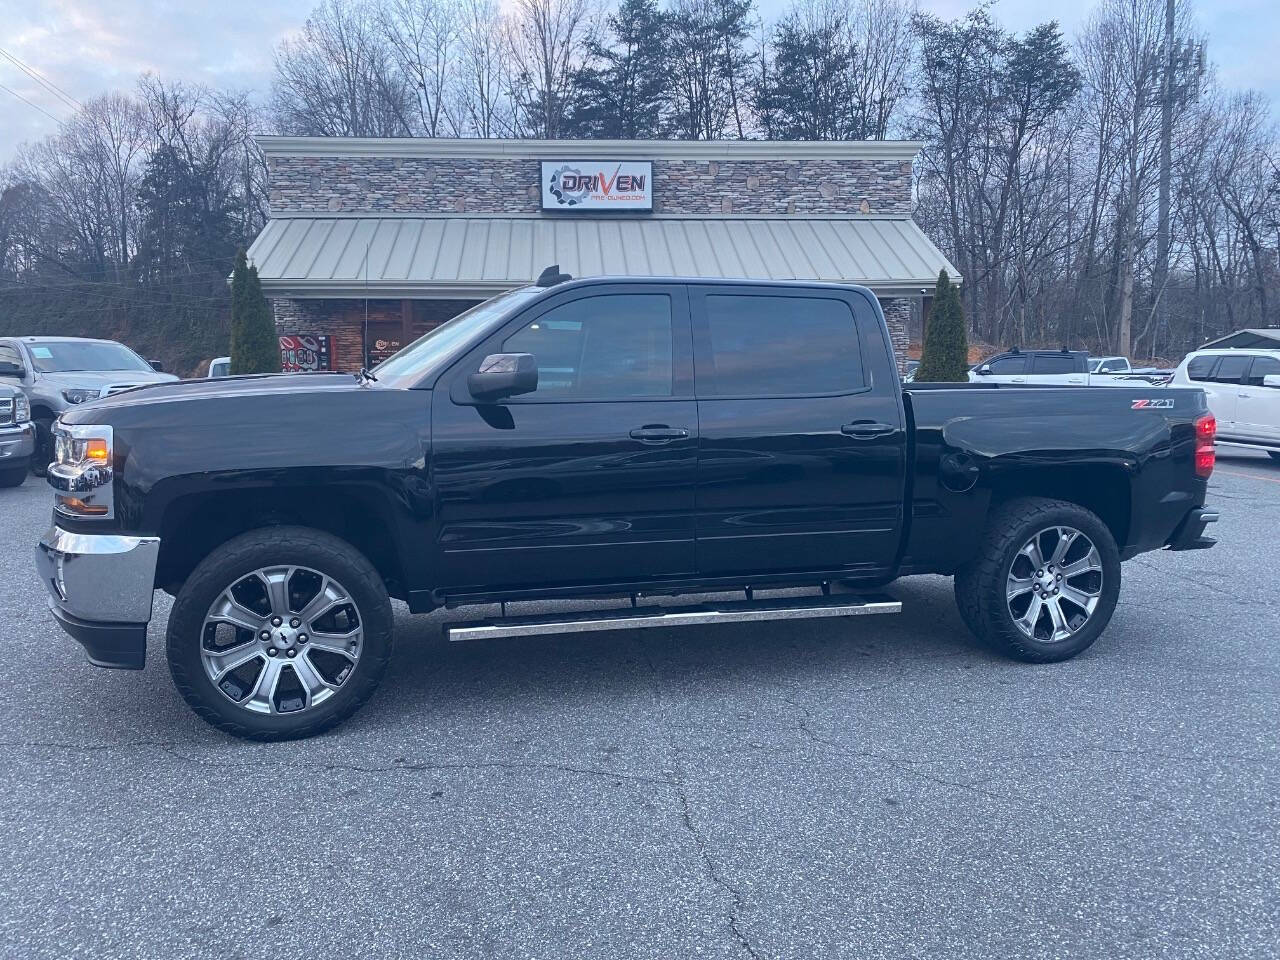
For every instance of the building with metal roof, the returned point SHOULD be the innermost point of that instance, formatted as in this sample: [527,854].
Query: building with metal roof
[373,242]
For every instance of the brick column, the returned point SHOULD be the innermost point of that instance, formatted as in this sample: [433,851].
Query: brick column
[897,311]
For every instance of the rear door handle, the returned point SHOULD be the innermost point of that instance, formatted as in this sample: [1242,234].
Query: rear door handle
[862,430]
[658,433]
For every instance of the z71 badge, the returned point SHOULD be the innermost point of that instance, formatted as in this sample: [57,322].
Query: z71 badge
[1159,403]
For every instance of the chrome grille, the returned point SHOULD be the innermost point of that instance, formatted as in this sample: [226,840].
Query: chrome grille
[6,411]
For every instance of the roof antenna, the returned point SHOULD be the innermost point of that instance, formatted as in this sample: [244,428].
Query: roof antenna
[551,276]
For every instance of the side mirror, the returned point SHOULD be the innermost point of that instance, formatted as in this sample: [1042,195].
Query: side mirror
[984,370]
[10,369]
[504,375]
[1271,380]
[156,365]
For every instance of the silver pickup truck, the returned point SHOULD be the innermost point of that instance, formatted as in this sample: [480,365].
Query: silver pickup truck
[17,435]
[58,373]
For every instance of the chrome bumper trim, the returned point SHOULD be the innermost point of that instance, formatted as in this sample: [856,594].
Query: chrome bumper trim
[17,442]
[101,578]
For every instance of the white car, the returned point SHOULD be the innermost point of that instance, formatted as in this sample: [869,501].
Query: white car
[1243,389]
[1061,368]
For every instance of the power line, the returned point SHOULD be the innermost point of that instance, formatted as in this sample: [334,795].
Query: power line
[44,81]
[30,104]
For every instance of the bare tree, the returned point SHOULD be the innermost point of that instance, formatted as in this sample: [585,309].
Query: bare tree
[423,38]
[337,78]
[481,74]
[547,41]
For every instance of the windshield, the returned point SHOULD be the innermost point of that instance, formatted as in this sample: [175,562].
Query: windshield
[65,356]
[409,364]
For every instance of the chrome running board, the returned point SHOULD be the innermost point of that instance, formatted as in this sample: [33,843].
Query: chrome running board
[733,611]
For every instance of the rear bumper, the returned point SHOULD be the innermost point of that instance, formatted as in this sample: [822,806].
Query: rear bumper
[1190,533]
[17,444]
[100,591]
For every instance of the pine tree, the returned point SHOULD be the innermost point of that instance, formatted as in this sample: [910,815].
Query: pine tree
[255,348]
[946,345]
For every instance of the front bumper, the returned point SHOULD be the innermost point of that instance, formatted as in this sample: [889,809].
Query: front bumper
[100,591]
[1190,533]
[17,444]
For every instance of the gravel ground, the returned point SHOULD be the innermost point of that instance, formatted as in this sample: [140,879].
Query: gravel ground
[872,787]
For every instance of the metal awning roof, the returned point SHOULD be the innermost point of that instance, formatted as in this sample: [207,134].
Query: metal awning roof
[1257,338]
[477,256]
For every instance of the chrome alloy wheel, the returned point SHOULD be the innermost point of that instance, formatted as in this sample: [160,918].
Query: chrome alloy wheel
[1054,584]
[281,639]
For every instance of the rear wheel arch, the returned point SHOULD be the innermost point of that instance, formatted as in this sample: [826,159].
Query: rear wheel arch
[1102,489]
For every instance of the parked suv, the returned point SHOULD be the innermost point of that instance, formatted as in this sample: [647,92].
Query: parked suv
[17,435]
[622,439]
[58,373]
[1243,389]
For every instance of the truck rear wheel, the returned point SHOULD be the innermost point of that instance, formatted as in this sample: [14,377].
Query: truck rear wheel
[1045,582]
[280,633]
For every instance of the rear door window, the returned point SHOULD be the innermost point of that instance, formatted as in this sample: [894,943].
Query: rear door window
[766,346]
[1050,364]
[1232,369]
[1262,367]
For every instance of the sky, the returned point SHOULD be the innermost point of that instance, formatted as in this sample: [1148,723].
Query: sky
[87,47]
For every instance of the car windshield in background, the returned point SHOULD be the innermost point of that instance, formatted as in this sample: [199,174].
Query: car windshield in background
[65,356]
[406,366]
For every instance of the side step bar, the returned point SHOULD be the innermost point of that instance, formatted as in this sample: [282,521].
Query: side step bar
[733,611]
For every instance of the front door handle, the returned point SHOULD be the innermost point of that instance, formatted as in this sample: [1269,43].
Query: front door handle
[864,430]
[658,433]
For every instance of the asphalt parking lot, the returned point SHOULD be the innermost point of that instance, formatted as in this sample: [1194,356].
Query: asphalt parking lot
[873,787]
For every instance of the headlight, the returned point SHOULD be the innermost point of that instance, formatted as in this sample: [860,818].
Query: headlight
[82,470]
[80,396]
[21,408]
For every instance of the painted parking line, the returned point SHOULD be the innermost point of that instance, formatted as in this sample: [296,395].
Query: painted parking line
[1247,476]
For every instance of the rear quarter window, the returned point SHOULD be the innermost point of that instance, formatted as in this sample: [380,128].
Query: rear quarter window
[1051,364]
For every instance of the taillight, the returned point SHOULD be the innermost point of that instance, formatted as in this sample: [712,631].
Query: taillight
[1206,430]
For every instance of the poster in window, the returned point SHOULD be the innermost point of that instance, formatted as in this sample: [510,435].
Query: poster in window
[305,353]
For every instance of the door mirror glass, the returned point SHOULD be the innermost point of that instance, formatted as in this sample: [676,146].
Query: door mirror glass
[1271,380]
[504,375]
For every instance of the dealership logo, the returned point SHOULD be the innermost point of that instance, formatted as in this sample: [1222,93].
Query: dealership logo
[588,185]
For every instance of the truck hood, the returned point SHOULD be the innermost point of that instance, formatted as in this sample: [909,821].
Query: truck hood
[256,388]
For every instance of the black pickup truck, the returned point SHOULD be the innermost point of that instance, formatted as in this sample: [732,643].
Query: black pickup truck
[630,439]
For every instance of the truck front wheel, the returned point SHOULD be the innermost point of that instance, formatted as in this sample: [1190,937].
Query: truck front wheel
[1045,582]
[280,633]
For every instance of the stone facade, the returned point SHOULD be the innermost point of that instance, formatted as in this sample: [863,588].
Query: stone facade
[897,314]
[325,182]
[426,185]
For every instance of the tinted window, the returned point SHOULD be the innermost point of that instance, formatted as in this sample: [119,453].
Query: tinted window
[1231,369]
[779,346]
[1003,366]
[1062,364]
[1262,367]
[609,348]
[1200,367]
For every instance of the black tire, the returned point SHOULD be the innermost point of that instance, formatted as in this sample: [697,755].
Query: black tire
[13,476]
[43,455]
[980,587]
[239,558]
